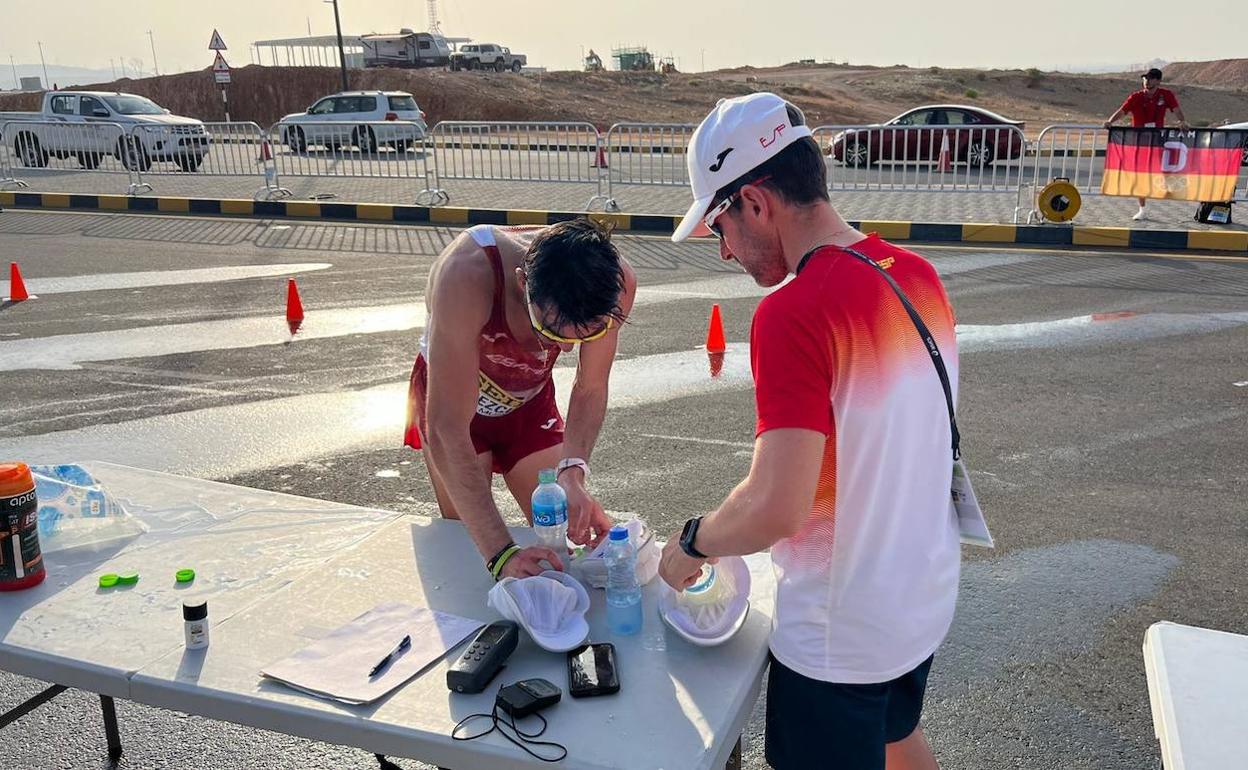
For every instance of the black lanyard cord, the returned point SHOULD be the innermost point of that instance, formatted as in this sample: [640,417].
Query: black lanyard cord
[500,724]
[929,341]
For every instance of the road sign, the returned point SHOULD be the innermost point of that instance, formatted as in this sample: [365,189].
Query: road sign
[221,69]
[216,44]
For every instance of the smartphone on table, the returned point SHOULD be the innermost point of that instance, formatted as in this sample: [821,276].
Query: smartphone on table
[592,670]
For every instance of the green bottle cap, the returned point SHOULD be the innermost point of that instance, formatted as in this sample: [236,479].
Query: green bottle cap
[185,575]
[128,578]
[108,581]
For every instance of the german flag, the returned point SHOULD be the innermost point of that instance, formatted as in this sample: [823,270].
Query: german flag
[1194,165]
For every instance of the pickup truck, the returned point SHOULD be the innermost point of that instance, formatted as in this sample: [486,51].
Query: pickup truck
[480,56]
[93,125]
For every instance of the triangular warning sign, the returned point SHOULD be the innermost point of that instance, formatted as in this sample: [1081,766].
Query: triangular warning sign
[216,44]
[219,64]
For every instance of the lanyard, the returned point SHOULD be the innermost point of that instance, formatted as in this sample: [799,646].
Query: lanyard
[929,341]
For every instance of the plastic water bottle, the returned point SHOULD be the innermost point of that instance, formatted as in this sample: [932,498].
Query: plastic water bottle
[550,512]
[623,592]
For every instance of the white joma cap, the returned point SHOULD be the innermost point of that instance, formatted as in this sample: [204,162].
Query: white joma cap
[739,135]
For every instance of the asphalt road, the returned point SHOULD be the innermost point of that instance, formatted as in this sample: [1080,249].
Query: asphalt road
[1103,402]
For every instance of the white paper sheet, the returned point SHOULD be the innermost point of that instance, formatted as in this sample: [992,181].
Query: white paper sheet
[337,666]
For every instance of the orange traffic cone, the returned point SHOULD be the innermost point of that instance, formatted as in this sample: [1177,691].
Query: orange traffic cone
[717,363]
[17,287]
[294,306]
[715,333]
[946,162]
[601,160]
[266,152]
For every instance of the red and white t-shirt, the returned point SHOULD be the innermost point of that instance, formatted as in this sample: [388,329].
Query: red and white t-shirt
[866,591]
[1149,110]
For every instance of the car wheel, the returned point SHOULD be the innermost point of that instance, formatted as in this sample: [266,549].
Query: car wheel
[515,66]
[296,140]
[499,66]
[89,160]
[133,155]
[857,154]
[979,154]
[364,138]
[454,66]
[188,163]
[29,152]
[402,145]
[473,64]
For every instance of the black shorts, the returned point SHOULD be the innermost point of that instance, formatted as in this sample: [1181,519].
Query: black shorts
[812,724]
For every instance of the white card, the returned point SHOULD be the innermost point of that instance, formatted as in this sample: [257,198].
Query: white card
[971,523]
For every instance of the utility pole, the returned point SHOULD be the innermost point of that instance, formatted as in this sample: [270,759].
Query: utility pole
[113,66]
[152,40]
[704,60]
[342,55]
[44,64]
[17,84]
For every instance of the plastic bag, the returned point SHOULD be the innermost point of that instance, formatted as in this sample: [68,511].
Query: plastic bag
[75,511]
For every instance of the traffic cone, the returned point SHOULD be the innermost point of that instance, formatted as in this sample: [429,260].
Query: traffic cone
[266,152]
[17,287]
[294,306]
[601,160]
[946,162]
[717,363]
[715,333]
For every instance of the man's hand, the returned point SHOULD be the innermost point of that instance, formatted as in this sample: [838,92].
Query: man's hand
[1183,125]
[528,562]
[1109,124]
[678,569]
[588,523]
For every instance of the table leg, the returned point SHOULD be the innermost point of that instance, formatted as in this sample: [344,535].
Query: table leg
[734,759]
[386,764]
[22,709]
[111,733]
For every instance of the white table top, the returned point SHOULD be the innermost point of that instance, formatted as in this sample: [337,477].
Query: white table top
[280,571]
[243,544]
[1198,688]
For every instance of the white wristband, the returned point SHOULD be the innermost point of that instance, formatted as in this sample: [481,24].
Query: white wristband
[572,462]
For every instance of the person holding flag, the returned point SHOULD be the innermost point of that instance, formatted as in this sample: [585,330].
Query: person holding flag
[1147,108]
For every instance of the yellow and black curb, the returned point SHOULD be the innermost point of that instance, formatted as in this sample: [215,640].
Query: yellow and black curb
[660,224]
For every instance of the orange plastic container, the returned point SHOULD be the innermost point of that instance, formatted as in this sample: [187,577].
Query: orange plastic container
[21,562]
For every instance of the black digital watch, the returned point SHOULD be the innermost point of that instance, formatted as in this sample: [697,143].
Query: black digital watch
[688,535]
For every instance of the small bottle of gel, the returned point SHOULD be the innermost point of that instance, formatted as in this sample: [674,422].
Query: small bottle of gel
[196,622]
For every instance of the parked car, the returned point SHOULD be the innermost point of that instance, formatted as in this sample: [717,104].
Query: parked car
[91,125]
[363,119]
[480,56]
[406,49]
[976,136]
[1240,127]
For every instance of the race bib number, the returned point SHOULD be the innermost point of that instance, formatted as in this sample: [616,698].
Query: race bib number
[493,401]
[972,526]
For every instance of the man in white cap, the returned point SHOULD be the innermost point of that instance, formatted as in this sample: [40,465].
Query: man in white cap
[850,481]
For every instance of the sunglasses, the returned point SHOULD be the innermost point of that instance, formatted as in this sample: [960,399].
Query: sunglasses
[722,207]
[548,334]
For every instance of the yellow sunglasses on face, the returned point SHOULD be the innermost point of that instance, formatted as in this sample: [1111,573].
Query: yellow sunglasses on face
[548,334]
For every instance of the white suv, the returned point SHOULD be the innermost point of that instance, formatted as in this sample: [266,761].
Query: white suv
[363,119]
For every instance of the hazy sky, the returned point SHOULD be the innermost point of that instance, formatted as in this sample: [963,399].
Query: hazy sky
[987,33]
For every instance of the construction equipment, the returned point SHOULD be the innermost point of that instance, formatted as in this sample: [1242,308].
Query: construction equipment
[633,59]
[593,62]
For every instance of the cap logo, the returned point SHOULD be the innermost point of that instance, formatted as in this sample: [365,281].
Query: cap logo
[719,160]
[775,134]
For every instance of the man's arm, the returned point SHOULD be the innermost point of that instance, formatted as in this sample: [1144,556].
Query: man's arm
[1174,106]
[587,407]
[1113,118]
[772,503]
[459,309]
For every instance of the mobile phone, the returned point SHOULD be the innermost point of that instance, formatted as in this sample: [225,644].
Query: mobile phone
[592,671]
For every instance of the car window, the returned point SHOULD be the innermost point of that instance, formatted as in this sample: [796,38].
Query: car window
[365,104]
[63,105]
[958,118]
[323,107]
[129,104]
[920,118]
[424,45]
[487,49]
[403,104]
[88,105]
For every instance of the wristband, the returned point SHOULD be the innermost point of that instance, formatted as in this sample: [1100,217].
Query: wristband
[495,565]
[572,462]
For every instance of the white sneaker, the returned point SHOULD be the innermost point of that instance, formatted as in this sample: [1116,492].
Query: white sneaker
[1140,215]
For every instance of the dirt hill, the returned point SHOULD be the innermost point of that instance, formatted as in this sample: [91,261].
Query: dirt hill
[1229,74]
[829,93]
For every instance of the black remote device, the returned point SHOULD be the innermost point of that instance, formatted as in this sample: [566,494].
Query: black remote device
[484,658]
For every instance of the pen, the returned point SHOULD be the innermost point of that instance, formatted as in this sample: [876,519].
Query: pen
[403,644]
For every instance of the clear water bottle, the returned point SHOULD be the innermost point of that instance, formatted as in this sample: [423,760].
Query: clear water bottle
[623,591]
[550,512]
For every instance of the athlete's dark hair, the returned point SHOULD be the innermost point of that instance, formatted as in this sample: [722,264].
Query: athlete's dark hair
[574,273]
[797,173]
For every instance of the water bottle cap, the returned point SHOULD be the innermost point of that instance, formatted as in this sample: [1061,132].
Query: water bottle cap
[619,533]
[547,476]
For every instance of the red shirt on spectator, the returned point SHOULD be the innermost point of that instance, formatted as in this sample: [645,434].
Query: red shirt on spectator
[1149,110]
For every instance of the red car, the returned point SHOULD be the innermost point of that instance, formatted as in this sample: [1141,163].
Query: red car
[976,136]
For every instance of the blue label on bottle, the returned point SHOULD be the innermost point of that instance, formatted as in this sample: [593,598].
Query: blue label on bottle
[549,516]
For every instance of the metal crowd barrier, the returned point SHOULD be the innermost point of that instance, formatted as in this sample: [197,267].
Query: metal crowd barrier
[647,154]
[518,152]
[38,148]
[383,149]
[238,149]
[939,158]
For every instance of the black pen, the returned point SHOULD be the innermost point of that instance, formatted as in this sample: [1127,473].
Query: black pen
[402,645]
